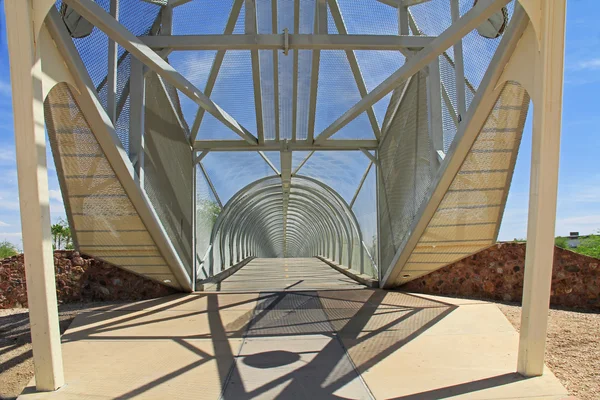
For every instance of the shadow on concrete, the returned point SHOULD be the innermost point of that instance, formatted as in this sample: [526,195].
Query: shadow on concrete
[465,388]
[361,328]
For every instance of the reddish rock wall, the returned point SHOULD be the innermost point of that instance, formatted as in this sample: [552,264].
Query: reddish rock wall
[497,274]
[79,278]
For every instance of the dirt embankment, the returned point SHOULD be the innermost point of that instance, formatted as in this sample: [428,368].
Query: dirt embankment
[497,274]
[79,278]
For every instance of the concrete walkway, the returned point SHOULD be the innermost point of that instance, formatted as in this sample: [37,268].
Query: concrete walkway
[321,338]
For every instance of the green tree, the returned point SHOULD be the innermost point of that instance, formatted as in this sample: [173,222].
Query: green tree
[61,235]
[56,230]
[207,210]
[7,249]
[590,246]
[562,242]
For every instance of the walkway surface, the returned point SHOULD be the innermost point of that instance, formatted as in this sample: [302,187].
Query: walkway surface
[325,337]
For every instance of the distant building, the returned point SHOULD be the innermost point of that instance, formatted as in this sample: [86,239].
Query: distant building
[574,240]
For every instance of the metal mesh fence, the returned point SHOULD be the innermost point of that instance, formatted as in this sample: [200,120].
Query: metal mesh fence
[168,168]
[104,222]
[365,210]
[341,170]
[468,217]
[404,157]
[207,212]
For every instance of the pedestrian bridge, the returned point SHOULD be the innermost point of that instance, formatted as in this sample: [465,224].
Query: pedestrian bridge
[236,144]
[155,183]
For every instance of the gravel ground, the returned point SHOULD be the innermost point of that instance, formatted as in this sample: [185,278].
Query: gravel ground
[572,348]
[16,363]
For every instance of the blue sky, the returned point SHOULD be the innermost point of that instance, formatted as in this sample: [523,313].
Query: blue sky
[579,189]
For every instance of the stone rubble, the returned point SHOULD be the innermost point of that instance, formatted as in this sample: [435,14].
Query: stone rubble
[497,274]
[79,278]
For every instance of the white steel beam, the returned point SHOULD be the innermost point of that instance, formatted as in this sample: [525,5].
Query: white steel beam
[389,118]
[210,184]
[329,145]
[303,162]
[360,83]
[369,155]
[295,73]
[434,105]
[296,41]
[468,22]
[269,163]
[360,185]
[320,27]
[459,66]
[251,29]
[216,66]
[111,76]
[276,74]
[30,139]
[286,183]
[547,113]
[200,157]
[117,32]
[137,118]
[166,23]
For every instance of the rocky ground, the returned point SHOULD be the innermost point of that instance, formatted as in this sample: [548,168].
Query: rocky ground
[79,278]
[572,348]
[497,274]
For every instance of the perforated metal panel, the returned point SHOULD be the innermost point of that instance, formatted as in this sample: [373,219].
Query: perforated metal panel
[103,220]
[168,167]
[404,158]
[468,218]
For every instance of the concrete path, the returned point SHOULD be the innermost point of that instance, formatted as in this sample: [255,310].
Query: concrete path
[295,335]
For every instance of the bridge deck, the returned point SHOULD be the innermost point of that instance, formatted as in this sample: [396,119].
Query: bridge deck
[279,274]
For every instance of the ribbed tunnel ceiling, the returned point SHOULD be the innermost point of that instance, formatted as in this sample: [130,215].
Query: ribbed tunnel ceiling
[319,221]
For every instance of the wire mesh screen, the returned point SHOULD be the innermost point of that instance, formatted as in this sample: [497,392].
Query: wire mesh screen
[168,168]
[104,222]
[404,157]
[468,217]
[207,212]
[365,210]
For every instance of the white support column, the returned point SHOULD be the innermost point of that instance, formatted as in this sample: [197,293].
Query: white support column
[194,222]
[547,100]
[30,139]
[137,118]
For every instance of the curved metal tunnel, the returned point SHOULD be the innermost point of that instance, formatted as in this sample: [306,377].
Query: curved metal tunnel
[264,220]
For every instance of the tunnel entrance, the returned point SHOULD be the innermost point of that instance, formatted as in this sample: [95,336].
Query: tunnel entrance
[284,227]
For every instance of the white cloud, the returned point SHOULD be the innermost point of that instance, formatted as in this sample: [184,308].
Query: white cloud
[2,223]
[5,89]
[8,155]
[55,195]
[10,235]
[591,65]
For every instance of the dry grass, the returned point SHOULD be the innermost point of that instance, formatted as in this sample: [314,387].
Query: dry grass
[572,348]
